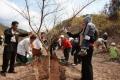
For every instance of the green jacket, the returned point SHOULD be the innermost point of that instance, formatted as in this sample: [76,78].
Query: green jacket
[113,52]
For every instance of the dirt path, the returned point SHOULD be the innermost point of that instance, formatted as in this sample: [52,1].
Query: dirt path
[103,70]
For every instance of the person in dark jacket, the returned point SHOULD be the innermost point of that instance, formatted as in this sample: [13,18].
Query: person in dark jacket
[75,46]
[10,47]
[53,46]
[89,30]
[87,70]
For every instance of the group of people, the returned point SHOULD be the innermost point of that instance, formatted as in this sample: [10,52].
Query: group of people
[80,45]
[15,50]
[102,42]
[104,47]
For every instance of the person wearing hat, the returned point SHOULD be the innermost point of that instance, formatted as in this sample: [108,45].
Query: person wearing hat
[24,49]
[114,53]
[66,46]
[88,37]
[10,47]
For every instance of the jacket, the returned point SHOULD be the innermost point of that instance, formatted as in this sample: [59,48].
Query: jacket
[66,43]
[8,35]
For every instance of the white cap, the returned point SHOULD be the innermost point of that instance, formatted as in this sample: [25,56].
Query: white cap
[62,36]
[113,44]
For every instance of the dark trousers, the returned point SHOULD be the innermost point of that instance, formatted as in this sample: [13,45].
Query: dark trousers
[21,59]
[75,52]
[9,55]
[52,48]
[66,53]
[87,70]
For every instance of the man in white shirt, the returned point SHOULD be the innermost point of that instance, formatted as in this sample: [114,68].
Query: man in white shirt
[38,48]
[24,48]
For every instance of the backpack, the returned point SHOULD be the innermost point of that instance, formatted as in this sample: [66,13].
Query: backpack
[95,37]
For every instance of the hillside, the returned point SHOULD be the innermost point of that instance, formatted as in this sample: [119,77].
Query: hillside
[2,28]
[100,20]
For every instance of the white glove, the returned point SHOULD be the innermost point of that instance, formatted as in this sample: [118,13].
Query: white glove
[87,37]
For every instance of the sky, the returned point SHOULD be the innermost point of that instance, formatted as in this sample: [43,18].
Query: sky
[7,14]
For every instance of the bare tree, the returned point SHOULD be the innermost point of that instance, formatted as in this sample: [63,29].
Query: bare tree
[43,5]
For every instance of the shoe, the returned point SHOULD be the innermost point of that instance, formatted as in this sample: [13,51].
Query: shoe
[3,73]
[12,72]
[74,64]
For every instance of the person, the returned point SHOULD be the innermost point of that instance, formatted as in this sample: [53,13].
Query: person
[53,46]
[1,39]
[66,46]
[75,46]
[24,49]
[114,53]
[10,47]
[87,35]
[105,37]
[71,39]
[91,31]
[38,49]
[100,44]
[44,38]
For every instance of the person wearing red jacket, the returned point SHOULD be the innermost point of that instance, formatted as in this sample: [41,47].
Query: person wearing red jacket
[66,46]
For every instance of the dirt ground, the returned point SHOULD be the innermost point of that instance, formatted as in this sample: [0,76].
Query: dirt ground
[103,70]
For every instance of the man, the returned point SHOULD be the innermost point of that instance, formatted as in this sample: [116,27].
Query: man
[91,31]
[24,49]
[75,47]
[44,38]
[38,49]
[53,47]
[10,47]
[66,46]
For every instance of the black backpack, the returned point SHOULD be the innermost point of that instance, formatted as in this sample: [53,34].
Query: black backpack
[95,37]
